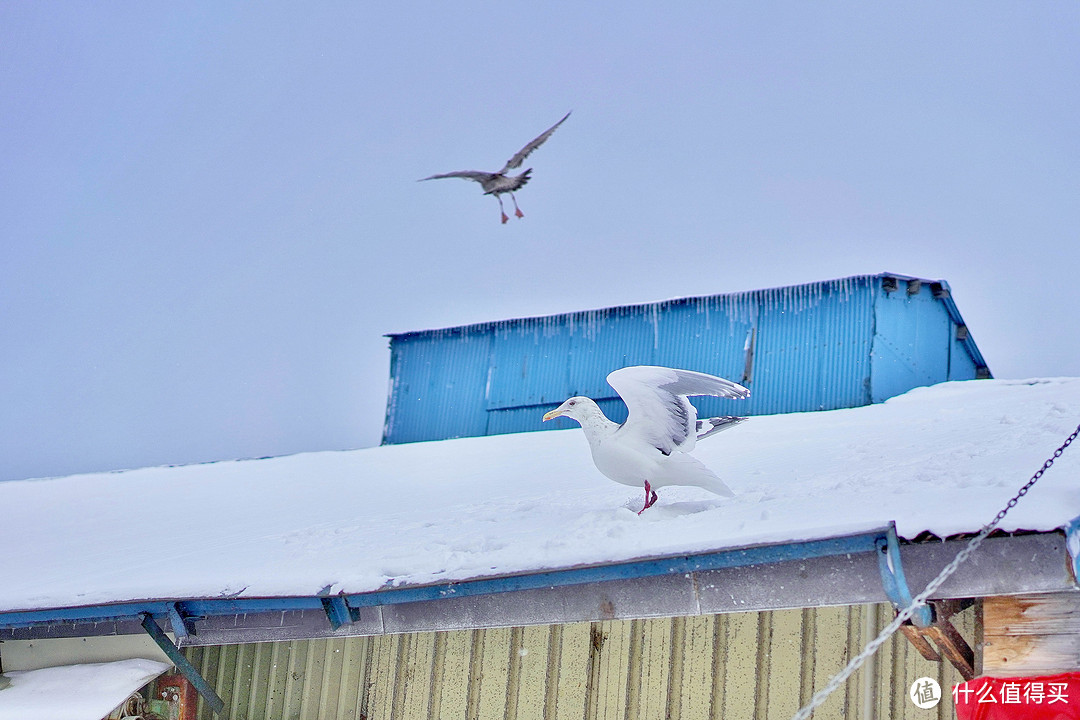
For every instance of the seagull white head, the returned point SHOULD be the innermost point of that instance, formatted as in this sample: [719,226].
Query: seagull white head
[578,408]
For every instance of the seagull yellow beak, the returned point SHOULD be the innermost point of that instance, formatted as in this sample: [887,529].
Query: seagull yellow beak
[554,413]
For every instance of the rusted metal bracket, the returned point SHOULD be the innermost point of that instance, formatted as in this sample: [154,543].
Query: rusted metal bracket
[949,643]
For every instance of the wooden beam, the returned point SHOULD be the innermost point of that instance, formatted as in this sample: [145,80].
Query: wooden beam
[915,637]
[1031,634]
[953,646]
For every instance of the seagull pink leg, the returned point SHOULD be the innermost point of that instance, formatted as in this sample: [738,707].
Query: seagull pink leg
[501,210]
[649,502]
[517,210]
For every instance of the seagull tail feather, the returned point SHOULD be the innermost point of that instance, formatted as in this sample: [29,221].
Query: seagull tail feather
[683,469]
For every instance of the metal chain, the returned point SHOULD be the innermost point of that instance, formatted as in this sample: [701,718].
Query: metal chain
[920,599]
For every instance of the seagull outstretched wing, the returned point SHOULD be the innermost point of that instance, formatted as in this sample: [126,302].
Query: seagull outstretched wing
[520,155]
[658,409]
[476,175]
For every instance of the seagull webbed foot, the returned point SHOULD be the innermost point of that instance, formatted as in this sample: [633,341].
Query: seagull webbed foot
[649,501]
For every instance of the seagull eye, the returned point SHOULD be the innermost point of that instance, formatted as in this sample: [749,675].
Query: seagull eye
[573,402]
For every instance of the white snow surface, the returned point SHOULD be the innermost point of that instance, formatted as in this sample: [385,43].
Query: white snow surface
[942,459]
[75,692]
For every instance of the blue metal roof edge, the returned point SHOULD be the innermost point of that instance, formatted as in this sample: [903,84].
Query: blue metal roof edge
[946,298]
[488,324]
[196,608]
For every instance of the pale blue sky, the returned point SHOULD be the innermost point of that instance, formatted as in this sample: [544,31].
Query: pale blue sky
[209,213]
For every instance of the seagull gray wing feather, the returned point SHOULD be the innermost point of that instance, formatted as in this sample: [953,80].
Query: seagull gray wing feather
[659,412]
[477,175]
[520,155]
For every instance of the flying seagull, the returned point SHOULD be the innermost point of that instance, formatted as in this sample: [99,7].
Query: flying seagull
[497,183]
[651,448]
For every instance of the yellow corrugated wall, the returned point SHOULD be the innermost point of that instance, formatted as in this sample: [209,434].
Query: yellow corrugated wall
[732,666]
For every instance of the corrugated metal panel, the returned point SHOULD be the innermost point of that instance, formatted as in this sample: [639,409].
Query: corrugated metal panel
[732,666]
[827,345]
[522,371]
[813,347]
[437,386]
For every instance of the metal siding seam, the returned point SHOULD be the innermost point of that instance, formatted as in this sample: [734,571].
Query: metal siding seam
[718,667]
[229,668]
[633,671]
[417,688]
[381,687]
[808,647]
[249,656]
[275,680]
[316,679]
[335,661]
[637,708]
[592,686]
[908,663]
[741,667]
[401,675]
[661,654]
[513,674]
[675,680]
[615,667]
[367,649]
[438,676]
[197,656]
[422,691]
[260,679]
[897,667]
[296,680]
[315,685]
[832,634]
[762,670]
[342,676]
[785,662]
[205,659]
[574,671]
[553,672]
[476,658]
[532,671]
[493,674]
[455,687]
[693,687]
[233,662]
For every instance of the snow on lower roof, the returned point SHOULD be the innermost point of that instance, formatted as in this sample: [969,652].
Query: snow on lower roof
[75,692]
[942,459]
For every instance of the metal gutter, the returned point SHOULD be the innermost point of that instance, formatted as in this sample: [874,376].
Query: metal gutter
[181,612]
[842,570]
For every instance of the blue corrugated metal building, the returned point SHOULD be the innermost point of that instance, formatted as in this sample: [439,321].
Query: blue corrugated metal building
[821,346]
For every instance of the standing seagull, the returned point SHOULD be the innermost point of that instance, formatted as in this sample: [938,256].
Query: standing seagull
[497,183]
[651,447]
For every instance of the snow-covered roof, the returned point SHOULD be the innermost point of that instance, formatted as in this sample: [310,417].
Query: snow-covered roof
[75,692]
[942,459]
